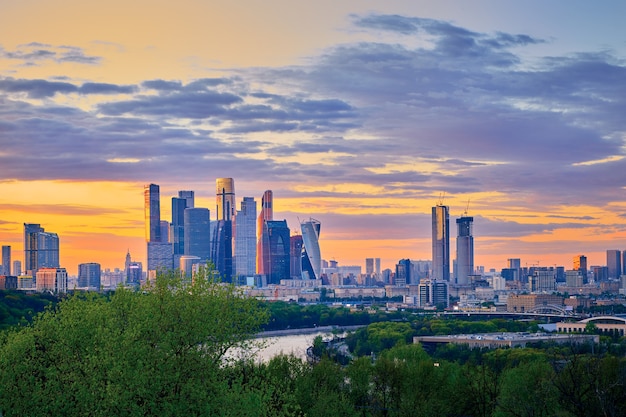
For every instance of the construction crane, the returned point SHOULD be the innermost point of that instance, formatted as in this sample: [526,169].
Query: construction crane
[465,213]
[441,196]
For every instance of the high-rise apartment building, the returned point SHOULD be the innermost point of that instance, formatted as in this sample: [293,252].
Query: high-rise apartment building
[311,255]
[41,248]
[17,268]
[225,198]
[245,238]
[614,263]
[464,250]
[89,275]
[441,243]
[6,260]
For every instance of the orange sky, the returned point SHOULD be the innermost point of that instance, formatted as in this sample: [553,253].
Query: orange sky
[362,115]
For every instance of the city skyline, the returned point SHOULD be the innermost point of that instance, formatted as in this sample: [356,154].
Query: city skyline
[356,114]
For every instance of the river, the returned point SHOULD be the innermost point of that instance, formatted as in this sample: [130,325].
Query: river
[292,341]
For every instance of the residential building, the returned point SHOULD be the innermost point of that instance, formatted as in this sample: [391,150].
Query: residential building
[51,279]
[6,260]
[41,248]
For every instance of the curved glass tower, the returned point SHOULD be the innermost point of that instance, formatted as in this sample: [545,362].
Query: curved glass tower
[311,256]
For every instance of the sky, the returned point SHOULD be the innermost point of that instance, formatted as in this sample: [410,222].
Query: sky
[360,114]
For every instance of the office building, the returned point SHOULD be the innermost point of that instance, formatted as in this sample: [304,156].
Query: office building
[89,275]
[404,270]
[41,248]
[160,256]
[464,250]
[197,233]
[189,197]
[614,263]
[275,262]
[6,260]
[160,253]
[177,227]
[152,209]
[133,271]
[433,293]
[311,256]
[441,243]
[225,198]
[580,264]
[296,254]
[266,213]
[369,266]
[52,280]
[222,252]
[245,238]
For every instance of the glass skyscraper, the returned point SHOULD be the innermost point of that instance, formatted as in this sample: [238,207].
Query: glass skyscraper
[311,256]
[441,243]
[152,207]
[266,213]
[464,250]
[245,238]
[275,254]
[225,198]
[197,227]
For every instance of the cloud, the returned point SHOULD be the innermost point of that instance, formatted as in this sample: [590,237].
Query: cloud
[104,88]
[44,88]
[36,88]
[439,108]
[36,53]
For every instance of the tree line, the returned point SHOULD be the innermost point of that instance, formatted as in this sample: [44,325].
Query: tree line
[186,348]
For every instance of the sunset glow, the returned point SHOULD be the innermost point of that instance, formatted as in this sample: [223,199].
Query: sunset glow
[362,115]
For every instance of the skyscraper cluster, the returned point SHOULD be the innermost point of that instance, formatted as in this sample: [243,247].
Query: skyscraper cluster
[239,243]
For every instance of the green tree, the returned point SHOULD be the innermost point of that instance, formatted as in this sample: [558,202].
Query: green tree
[160,351]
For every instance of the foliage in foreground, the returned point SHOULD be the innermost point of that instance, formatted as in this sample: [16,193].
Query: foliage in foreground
[160,351]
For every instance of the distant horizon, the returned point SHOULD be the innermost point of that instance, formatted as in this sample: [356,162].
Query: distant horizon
[362,115]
